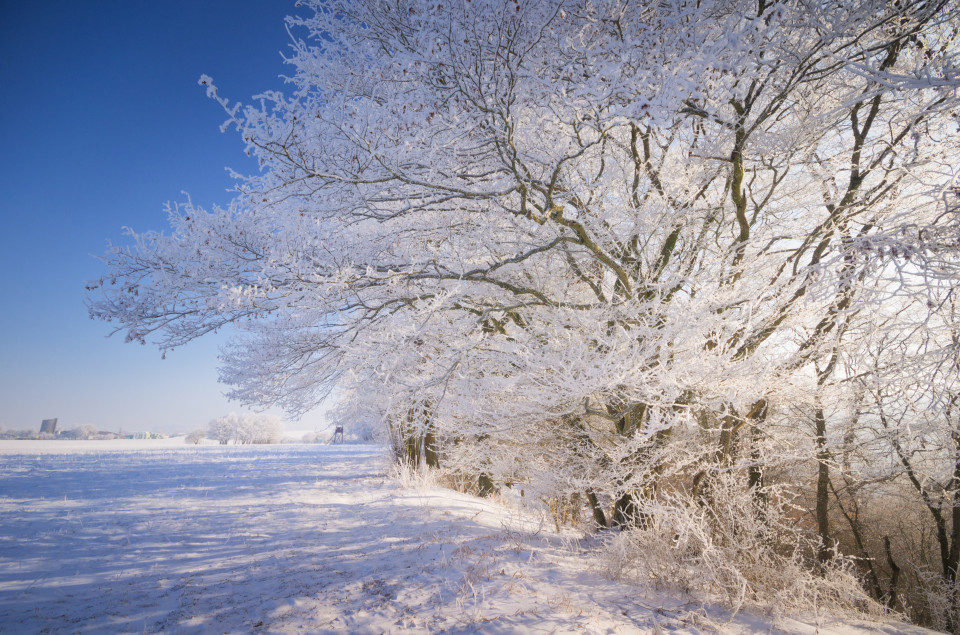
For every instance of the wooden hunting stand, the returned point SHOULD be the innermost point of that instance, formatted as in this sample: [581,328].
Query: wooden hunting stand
[337,435]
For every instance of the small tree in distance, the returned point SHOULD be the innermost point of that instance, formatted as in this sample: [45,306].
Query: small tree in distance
[196,436]
[222,428]
[246,428]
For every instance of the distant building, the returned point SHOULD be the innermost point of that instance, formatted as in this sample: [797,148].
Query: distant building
[48,426]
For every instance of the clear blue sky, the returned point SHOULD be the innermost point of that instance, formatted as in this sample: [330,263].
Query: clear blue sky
[101,123]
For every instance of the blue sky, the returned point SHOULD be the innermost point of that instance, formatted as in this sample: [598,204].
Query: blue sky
[101,123]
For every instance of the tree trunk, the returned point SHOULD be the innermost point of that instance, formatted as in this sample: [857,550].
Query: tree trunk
[755,471]
[823,487]
[624,511]
[430,452]
[485,485]
[953,560]
[411,443]
[891,598]
[599,518]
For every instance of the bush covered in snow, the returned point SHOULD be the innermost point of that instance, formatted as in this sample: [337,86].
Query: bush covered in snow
[744,548]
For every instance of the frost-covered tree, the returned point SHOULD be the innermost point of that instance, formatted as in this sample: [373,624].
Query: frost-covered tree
[223,429]
[613,250]
[259,428]
[247,428]
[898,448]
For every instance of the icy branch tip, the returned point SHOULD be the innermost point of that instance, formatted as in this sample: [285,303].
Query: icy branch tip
[206,80]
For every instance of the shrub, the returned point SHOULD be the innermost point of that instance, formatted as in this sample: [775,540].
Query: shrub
[735,548]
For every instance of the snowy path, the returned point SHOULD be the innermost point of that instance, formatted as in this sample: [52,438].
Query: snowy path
[309,539]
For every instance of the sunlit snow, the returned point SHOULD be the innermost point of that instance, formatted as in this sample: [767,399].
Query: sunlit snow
[158,536]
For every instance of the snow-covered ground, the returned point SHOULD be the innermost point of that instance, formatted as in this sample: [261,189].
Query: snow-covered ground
[158,536]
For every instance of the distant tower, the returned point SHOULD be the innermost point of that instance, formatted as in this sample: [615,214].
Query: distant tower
[48,426]
[337,435]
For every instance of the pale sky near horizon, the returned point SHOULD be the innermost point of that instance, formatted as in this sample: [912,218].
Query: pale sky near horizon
[101,123]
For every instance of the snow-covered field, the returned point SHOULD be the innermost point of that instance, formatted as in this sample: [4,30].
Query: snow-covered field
[158,536]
